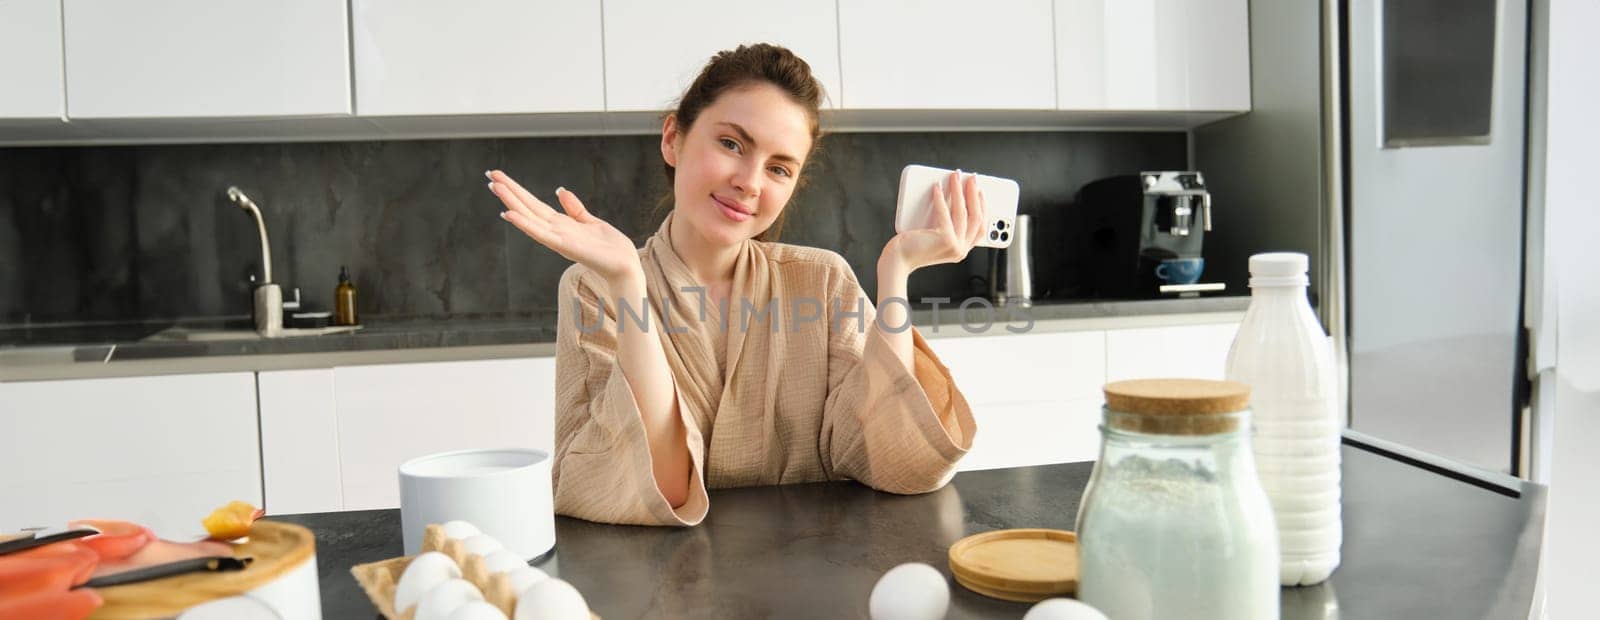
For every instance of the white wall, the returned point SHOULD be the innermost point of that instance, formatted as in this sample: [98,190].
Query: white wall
[1571,297]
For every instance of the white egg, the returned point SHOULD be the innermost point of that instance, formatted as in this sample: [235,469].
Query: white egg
[910,591]
[460,530]
[551,599]
[444,598]
[1063,609]
[477,610]
[524,576]
[503,561]
[481,544]
[422,574]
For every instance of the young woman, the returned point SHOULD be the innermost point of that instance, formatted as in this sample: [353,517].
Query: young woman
[715,358]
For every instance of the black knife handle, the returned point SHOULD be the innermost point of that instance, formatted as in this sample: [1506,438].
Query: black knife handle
[211,563]
[26,543]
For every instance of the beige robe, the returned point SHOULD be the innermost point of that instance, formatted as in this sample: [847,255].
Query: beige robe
[804,403]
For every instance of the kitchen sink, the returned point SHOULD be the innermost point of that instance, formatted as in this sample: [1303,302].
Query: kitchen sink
[48,335]
[183,333]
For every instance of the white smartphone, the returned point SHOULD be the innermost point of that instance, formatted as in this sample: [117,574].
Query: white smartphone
[914,207]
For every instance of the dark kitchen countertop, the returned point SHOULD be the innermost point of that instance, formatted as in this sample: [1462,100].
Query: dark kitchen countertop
[1417,544]
[98,344]
[373,336]
[950,318]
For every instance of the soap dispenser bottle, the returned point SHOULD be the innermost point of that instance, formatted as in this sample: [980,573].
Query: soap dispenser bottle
[344,300]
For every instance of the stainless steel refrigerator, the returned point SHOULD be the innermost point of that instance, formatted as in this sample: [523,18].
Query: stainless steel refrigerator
[1435,141]
[1386,139]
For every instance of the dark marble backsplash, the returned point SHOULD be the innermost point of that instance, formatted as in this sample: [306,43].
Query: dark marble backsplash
[146,232]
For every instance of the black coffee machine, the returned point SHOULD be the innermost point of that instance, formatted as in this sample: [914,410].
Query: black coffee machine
[1132,224]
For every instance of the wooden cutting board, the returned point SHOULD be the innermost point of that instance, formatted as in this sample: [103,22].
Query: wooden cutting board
[277,548]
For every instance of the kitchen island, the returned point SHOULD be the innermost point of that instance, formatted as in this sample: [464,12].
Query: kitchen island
[1419,542]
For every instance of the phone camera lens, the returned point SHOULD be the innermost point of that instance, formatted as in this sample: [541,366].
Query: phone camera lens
[1005,237]
[993,235]
[1000,224]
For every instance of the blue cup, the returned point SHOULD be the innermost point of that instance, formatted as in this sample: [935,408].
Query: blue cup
[1181,270]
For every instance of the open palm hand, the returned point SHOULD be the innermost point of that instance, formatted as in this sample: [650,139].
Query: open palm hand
[576,234]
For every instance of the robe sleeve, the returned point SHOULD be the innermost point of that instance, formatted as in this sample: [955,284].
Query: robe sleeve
[881,425]
[602,470]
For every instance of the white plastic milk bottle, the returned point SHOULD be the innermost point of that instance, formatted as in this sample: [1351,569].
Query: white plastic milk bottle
[1282,353]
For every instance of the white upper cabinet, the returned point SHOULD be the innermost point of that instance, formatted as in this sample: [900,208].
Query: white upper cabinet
[1219,55]
[240,70]
[30,59]
[207,58]
[424,57]
[947,54]
[655,49]
[1180,55]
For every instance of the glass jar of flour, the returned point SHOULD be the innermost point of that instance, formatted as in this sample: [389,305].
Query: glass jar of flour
[1174,522]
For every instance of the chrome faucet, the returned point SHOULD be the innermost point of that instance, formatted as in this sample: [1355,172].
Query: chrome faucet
[245,203]
[268,297]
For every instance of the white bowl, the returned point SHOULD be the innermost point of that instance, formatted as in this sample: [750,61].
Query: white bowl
[505,492]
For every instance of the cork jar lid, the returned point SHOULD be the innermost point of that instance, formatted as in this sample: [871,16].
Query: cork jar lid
[1176,406]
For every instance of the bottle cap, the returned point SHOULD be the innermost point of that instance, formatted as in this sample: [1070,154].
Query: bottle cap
[344,276]
[1279,269]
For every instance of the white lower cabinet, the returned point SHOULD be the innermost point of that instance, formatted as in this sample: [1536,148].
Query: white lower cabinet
[1034,433]
[1010,368]
[163,451]
[300,442]
[333,439]
[1035,397]
[390,414]
[1186,351]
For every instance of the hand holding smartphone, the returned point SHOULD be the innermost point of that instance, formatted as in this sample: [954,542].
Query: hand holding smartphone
[914,206]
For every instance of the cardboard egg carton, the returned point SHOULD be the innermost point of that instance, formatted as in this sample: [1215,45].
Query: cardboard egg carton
[379,579]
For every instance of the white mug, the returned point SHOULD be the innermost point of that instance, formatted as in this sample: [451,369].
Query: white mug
[504,492]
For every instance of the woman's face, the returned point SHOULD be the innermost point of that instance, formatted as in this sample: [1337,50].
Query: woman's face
[736,168]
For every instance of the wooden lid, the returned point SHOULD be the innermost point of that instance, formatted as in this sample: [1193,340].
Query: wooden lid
[1176,406]
[277,548]
[1025,565]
